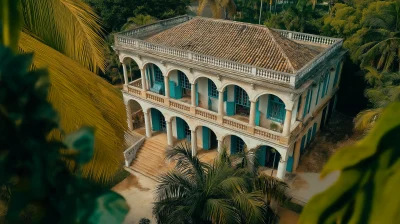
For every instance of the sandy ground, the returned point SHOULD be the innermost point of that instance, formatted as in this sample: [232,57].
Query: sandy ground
[138,190]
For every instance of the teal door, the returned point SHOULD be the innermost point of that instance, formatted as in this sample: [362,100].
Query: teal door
[309,134]
[289,166]
[180,128]
[257,118]
[234,140]
[197,95]
[314,130]
[172,89]
[206,138]
[155,119]
[230,108]
[303,144]
[262,155]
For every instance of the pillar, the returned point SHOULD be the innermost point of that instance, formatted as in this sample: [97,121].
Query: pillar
[252,113]
[282,168]
[219,149]
[221,103]
[286,125]
[296,155]
[147,124]
[166,86]
[193,94]
[129,116]
[143,76]
[125,74]
[170,140]
[194,142]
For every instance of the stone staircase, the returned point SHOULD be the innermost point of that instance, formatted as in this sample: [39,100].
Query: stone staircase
[150,159]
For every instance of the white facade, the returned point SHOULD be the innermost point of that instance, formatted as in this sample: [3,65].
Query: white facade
[252,122]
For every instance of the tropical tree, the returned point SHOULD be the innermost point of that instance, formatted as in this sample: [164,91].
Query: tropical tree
[66,37]
[138,20]
[218,7]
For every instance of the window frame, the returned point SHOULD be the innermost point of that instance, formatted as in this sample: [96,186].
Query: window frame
[272,99]
[212,89]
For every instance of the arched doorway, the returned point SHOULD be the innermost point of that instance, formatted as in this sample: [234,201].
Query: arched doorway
[206,138]
[136,113]
[268,157]
[180,129]
[179,86]
[116,74]
[157,121]
[234,144]
[237,103]
[206,94]
[154,78]
[270,112]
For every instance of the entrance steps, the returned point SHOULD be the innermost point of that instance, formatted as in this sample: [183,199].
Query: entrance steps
[150,158]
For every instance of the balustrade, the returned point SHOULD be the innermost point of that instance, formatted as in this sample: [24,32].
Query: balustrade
[137,83]
[155,97]
[179,105]
[210,115]
[267,134]
[234,123]
[134,90]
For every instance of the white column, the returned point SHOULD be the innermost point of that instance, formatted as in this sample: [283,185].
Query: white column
[219,146]
[194,143]
[286,125]
[170,140]
[129,116]
[221,103]
[252,113]
[282,169]
[147,124]
[166,86]
[143,76]
[125,74]
[193,94]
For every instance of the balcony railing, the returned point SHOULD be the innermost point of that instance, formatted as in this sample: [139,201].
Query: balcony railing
[136,83]
[211,116]
[131,40]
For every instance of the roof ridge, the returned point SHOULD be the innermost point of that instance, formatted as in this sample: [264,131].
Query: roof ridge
[281,50]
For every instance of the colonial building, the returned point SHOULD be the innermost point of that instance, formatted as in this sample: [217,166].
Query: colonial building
[231,85]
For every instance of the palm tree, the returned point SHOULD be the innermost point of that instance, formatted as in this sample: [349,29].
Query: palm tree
[138,20]
[66,37]
[217,7]
[195,192]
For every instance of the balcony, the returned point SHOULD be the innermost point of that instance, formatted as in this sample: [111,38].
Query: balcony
[236,123]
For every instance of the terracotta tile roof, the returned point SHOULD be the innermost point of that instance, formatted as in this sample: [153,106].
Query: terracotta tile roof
[240,42]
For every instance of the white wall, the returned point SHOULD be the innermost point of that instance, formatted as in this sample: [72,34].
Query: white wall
[199,133]
[173,123]
[173,76]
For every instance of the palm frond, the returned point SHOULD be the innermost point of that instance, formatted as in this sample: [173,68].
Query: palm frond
[83,98]
[220,211]
[252,206]
[366,119]
[272,188]
[69,26]
[202,5]
[173,184]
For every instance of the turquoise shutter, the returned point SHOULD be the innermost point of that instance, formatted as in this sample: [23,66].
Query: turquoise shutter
[309,104]
[209,103]
[226,94]
[306,104]
[282,113]
[327,84]
[172,90]
[289,166]
[257,118]
[303,144]
[197,94]
[323,88]
[309,134]
[178,92]
[180,128]
[314,130]
[230,108]
[319,87]
[261,155]
[148,76]
[336,74]
[233,144]
[206,138]
[155,119]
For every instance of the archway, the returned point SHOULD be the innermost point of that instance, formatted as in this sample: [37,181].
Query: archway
[270,112]
[179,86]
[115,73]
[237,103]
[234,144]
[180,129]
[154,79]
[206,94]
[157,120]
[206,138]
[136,113]
[268,157]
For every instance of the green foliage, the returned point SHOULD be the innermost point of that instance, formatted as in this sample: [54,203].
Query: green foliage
[138,20]
[115,12]
[366,191]
[228,191]
[33,165]
[10,23]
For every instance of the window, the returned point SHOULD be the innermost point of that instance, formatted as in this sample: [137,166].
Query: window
[158,77]
[276,109]
[336,73]
[239,145]
[212,89]
[328,78]
[319,87]
[309,104]
[241,97]
[188,134]
[184,81]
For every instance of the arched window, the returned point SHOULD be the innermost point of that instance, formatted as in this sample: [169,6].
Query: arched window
[212,89]
[276,109]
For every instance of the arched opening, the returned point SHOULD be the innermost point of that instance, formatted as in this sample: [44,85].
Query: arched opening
[237,103]
[115,72]
[206,94]
[270,112]
[157,121]
[154,78]
[207,144]
[268,157]
[180,129]
[179,86]
[234,144]
[136,113]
